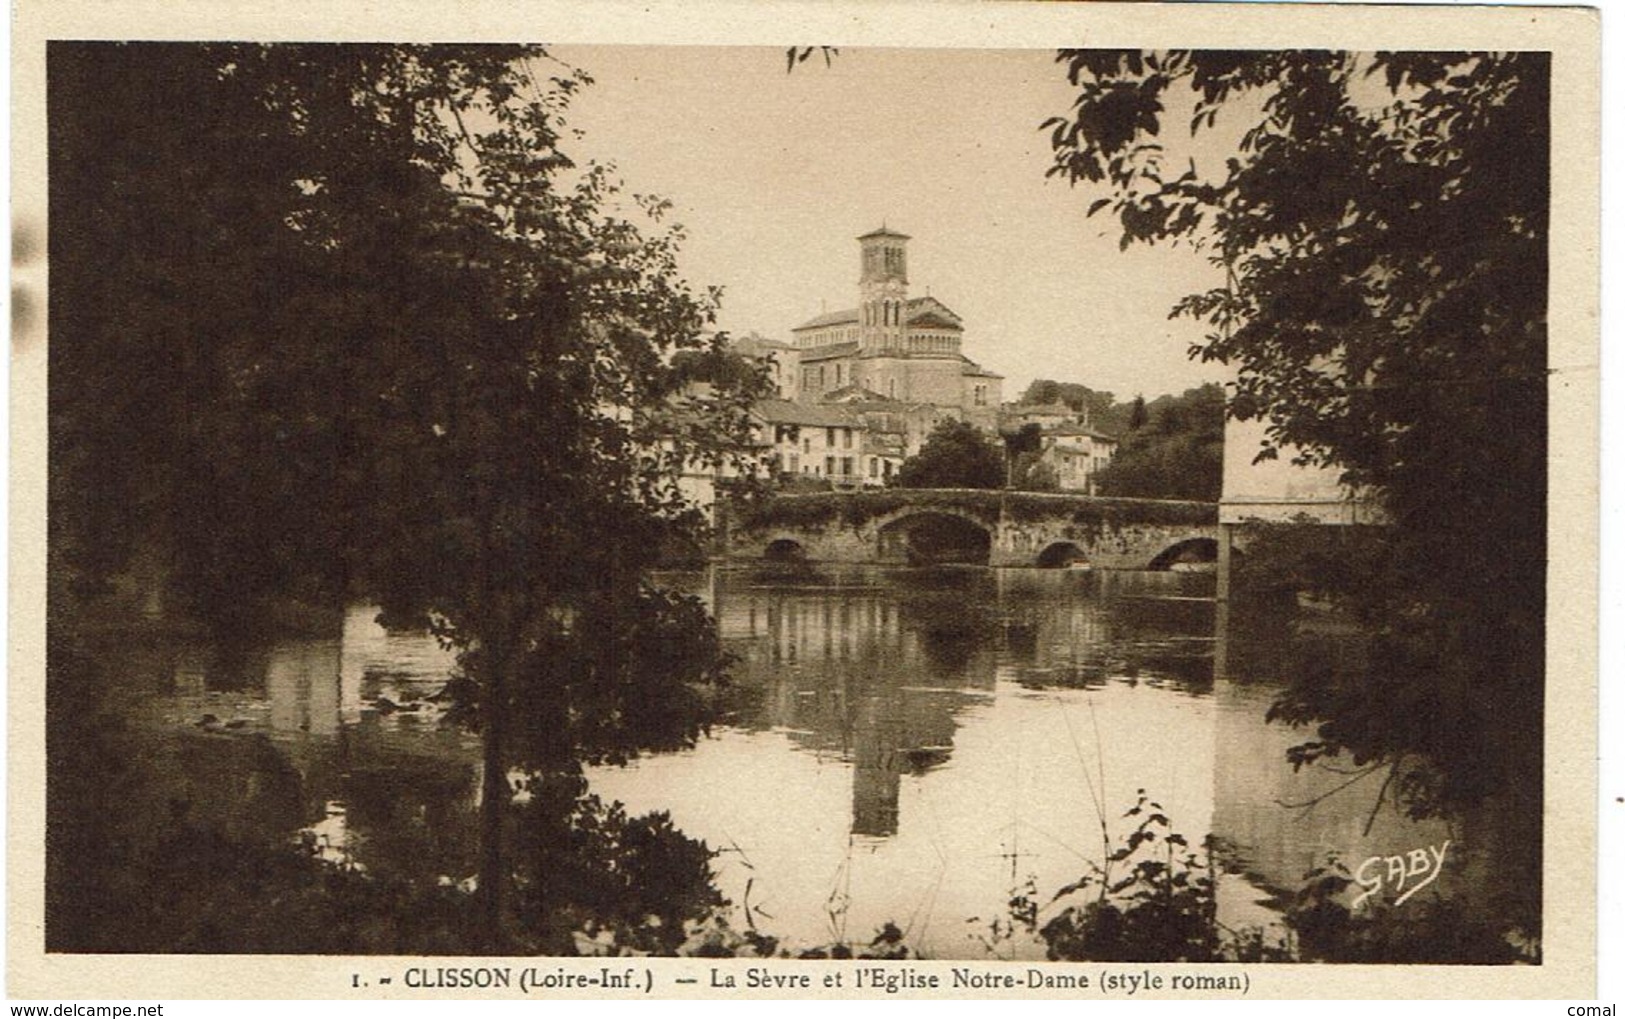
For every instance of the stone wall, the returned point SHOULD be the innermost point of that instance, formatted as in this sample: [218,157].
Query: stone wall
[1113,534]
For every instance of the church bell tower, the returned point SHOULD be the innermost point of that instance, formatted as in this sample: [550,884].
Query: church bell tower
[883,287]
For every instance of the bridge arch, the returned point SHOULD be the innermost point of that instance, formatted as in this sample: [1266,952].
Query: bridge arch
[1198,550]
[1061,554]
[969,516]
[926,535]
[785,550]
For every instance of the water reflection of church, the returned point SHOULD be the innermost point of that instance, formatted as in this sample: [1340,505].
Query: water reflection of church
[882,673]
[879,674]
[873,676]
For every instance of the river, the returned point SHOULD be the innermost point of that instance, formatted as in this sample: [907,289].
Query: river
[899,745]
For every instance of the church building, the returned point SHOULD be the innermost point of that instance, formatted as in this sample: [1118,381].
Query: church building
[894,346]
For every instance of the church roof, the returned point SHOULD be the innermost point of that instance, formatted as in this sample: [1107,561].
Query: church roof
[884,232]
[925,311]
[833,318]
[972,368]
[833,350]
[921,308]
[933,320]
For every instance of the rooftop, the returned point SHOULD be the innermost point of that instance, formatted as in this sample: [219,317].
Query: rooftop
[1074,429]
[832,318]
[753,343]
[1055,409]
[867,400]
[927,310]
[833,350]
[972,368]
[820,415]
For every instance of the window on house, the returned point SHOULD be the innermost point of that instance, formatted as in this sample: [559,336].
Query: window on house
[846,467]
[874,467]
[846,438]
[829,437]
[829,466]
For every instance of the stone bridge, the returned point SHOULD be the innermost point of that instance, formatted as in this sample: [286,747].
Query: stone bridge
[998,528]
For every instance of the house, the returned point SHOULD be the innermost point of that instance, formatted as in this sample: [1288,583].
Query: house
[783,361]
[1077,453]
[812,440]
[1014,416]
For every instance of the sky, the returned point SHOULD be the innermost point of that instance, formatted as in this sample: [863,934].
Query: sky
[774,175]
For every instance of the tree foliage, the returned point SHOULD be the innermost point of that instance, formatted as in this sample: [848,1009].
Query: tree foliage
[1099,406]
[341,321]
[1137,414]
[1178,453]
[955,455]
[1382,227]
[1030,472]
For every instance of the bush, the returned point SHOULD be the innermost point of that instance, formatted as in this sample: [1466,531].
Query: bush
[1162,910]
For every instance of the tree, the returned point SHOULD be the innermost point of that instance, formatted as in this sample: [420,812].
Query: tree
[1137,416]
[1382,227]
[1024,451]
[955,455]
[1179,454]
[1029,438]
[364,329]
[1029,472]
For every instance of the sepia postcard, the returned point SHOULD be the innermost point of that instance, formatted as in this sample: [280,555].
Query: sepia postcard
[894,501]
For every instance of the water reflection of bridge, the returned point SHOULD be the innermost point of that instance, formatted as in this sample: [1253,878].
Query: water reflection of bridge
[879,672]
[890,673]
